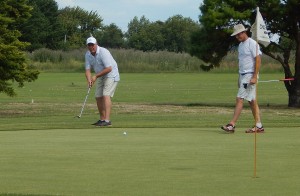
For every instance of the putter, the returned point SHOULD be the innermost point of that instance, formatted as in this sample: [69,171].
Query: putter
[79,116]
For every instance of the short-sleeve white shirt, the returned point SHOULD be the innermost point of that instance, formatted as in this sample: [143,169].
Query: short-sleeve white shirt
[101,60]
[247,53]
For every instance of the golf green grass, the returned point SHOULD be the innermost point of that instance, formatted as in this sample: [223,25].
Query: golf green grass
[173,145]
[149,161]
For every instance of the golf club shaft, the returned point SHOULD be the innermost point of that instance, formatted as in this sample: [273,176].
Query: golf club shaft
[282,80]
[84,102]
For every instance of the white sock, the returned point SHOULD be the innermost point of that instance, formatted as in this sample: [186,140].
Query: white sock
[259,125]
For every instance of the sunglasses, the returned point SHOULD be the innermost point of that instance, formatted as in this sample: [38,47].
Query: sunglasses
[90,44]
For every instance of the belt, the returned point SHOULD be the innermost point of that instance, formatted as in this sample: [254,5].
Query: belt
[247,73]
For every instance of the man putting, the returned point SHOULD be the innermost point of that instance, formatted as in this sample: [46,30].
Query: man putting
[106,78]
[248,55]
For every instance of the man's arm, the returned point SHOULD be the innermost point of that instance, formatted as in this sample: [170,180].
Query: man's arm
[256,69]
[102,73]
[88,76]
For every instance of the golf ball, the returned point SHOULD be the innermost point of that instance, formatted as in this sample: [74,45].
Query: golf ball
[124,133]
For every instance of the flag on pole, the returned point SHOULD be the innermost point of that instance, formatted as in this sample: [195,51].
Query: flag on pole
[259,30]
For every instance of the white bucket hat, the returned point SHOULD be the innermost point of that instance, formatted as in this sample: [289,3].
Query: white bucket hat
[91,40]
[238,29]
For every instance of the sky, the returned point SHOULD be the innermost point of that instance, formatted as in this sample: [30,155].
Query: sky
[121,12]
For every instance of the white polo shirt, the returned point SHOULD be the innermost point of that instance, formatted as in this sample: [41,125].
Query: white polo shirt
[101,60]
[247,54]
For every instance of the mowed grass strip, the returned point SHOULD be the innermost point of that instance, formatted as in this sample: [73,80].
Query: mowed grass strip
[144,100]
[148,161]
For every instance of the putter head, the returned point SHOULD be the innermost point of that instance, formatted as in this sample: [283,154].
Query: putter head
[78,116]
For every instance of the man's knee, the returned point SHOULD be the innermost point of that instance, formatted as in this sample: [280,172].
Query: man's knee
[252,102]
[239,100]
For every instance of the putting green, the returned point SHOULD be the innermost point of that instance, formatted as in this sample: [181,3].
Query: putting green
[149,161]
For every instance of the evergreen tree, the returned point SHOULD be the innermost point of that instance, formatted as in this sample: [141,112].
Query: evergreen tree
[42,29]
[13,65]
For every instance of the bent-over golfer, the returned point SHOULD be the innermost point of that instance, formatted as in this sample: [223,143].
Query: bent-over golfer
[248,54]
[106,78]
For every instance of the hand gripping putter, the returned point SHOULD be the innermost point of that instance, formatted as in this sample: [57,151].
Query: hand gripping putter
[79,116]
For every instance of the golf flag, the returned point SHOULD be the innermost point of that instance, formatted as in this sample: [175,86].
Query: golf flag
[259,30]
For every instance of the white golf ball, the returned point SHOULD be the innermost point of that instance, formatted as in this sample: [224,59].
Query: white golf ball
[124,133]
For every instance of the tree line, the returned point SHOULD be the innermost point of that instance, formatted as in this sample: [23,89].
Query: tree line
[68,28]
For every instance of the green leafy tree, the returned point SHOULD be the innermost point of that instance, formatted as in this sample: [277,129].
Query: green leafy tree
[172,35]
[42,29]
[111,37]
[78,24]
[178,31]
[156,36]
[13,66]
[212,42]
[136,34]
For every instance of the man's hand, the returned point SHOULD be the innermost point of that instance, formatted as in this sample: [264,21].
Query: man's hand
[90,83]
[94,78]
[253,80]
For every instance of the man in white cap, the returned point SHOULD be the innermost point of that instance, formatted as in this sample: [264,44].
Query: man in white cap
[106,78]
[249,55]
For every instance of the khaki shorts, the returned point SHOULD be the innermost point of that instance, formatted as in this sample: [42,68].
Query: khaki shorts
[246,91]
[105,87]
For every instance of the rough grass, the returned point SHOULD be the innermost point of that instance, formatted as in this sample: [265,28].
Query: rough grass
[134,61]
[144,100]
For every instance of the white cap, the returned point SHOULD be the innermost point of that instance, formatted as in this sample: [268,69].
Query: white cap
[91,40]
[238,29]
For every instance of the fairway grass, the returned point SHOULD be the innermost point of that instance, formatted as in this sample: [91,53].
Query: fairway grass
[149,161]
[168,100]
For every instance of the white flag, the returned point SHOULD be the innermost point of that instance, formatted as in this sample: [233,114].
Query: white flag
[259,30]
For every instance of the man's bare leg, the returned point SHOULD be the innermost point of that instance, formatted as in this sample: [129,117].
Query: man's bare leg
[237,111]
[101,108]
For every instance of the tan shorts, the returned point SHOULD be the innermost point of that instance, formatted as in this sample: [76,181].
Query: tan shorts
[246,91]
[105,87]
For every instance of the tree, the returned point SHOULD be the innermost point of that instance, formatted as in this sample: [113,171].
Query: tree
[42,29]
[111,37]
[178,32]
[172,35]
[13,66]
[78,24]
[136,33]
[213,41]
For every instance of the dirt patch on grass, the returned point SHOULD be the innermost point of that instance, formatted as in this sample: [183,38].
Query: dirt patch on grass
[40,109]
[157,109]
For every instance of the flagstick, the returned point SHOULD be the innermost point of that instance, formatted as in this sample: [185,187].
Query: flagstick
[255,110]
[256,102]
[261,34]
